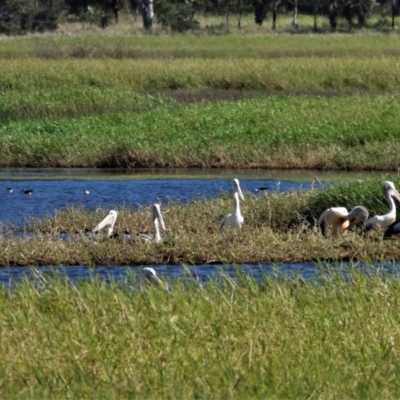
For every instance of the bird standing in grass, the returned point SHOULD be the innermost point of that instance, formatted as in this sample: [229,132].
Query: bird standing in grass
[235,219]
[337,220]
[157,219]
[109,220]
[384,221]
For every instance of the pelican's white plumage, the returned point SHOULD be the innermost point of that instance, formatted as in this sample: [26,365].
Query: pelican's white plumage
[157,219]
[235,219]
[383,221]
[337,220]
[109,220]
[151,275]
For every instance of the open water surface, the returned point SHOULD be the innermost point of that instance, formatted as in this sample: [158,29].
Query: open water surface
[58,189]
[109,190]
[201,274]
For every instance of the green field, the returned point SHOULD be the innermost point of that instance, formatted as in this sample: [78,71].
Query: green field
[241,101]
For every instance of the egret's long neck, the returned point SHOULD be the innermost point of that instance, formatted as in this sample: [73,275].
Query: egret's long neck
[236,204]
[156,231]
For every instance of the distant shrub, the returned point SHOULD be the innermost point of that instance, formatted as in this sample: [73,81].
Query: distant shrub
[14,21]
[177,16]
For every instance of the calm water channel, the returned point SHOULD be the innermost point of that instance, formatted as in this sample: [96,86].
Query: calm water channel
[58,189]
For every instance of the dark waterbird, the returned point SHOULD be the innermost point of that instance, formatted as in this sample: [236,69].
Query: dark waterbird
[27,191]
[9,190]
[393,231]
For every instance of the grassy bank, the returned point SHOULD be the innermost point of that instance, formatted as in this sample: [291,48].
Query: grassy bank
[350,132]
[276,339]
[277,228]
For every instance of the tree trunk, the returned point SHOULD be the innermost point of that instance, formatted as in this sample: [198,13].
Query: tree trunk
[115,7]
[295,15]
[227,18]
[146,10]
[275,13]
[315,10]
[239,5]
[395,10]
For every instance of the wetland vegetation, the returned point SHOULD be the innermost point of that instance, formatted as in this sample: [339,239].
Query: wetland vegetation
[240,101]
[337,337]
[258,100]
[278,227]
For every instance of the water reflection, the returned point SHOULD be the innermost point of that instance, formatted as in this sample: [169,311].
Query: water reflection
[203,273]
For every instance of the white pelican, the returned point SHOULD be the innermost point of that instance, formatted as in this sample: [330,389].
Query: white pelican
[338,219]
[151,275]
[383,221]
[157,218]
[110,219]
[234,219]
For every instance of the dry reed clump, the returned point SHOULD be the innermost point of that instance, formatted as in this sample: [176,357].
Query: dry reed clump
[278,228]
[282,338]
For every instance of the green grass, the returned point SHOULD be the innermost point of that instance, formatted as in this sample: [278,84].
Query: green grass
[310,73]
[350,132]
[277,339]
[330,104]
[128,39]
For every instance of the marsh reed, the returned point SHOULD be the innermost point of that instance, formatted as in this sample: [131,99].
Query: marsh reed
[337,337]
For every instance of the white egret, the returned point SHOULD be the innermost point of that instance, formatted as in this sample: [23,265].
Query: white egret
[235,219]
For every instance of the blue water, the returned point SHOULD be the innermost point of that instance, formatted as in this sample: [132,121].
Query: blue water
[51,195]
[308,271]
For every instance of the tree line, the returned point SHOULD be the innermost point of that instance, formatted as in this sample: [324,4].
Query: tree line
[22,16]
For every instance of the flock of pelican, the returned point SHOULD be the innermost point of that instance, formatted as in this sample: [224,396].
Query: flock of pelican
[338,220]
[157,219]
[235,219]
[335,220]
